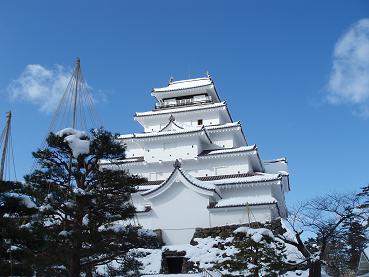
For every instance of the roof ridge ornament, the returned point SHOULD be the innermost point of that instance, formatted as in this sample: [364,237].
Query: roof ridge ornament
[171,80]
[208,74]
[171,118]
[177,164]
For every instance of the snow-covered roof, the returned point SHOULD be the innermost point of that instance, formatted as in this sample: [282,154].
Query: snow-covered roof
[212,182]
[201,185]
[180,131]
[182,109]
[228,150]
[221,126]
[244,201]
[185,84]
[280,160]
[123,161]
[259,177]
[152,184]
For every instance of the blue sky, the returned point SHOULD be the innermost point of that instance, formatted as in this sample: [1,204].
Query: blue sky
[278,65]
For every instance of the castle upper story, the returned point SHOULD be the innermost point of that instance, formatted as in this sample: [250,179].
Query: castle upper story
[192,124]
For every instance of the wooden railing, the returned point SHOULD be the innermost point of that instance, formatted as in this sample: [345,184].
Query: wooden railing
[182,102]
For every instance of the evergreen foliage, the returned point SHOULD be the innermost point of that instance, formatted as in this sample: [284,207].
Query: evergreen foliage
[260,255]
[83,207]
[365,194]
[356,240]
[16,240]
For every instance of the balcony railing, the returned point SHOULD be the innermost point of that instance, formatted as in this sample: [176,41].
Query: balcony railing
[182,102]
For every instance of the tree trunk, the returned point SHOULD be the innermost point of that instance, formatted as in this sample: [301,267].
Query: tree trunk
[315,269]
[89,271]
[75,267]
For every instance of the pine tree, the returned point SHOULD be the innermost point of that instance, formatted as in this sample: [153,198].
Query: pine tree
[336,255]
[16,240]
[365,195]
[356,241]
[84,205]
[259,254]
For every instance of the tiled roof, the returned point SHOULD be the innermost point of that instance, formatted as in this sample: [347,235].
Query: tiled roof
[228,150]
[280,160]
[181,109]
[122,161]
[181,131]
[207,178]
[192,180]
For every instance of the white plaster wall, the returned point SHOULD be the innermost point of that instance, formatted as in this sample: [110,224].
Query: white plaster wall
[225,139]
[279,195]
[237,215]
[197,168]
[137,199]
[134,149]
[209,117]
[177,212]
[170,150]
[275,167]
[257,190]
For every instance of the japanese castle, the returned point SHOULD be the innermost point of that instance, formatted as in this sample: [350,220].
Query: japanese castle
[201,172]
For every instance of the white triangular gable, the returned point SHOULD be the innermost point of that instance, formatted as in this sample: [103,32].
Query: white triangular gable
[179,177]
[171,126]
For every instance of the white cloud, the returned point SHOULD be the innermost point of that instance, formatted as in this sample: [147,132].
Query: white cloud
[349,78]
[40,86]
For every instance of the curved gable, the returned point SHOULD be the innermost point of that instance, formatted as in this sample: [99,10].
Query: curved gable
[178,176]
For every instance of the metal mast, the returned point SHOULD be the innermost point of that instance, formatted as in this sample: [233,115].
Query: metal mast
[77,72]
[5,137]
[76,107]
[76,75]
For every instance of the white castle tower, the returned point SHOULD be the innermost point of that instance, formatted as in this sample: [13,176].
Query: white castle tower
[200,169]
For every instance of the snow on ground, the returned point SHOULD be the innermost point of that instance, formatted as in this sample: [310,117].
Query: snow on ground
[205,254]
[77,141]
[151,262]
[175,275]
[255,234]
[302,273]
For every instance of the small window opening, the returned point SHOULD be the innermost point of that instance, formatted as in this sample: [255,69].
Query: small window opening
[199,122]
